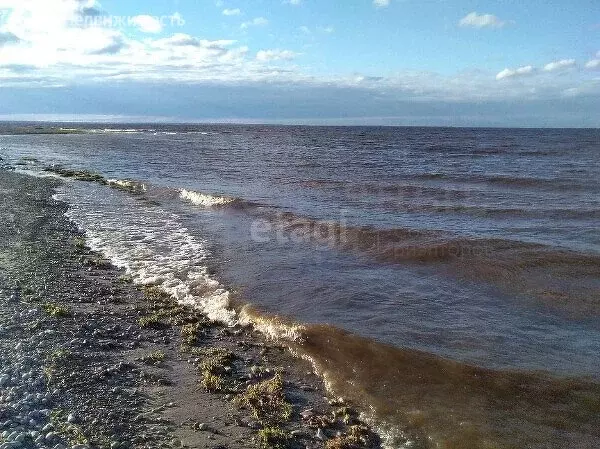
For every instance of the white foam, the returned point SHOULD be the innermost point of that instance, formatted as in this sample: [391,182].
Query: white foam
[128,130]
[150,244]
[272,327]
[127,184]
[202,199]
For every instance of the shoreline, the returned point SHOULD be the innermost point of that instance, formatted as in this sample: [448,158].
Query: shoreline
[411,398]
[97,362]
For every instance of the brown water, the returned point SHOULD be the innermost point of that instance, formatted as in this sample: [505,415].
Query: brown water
[446,280]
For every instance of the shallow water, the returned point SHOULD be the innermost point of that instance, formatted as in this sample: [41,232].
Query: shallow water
[463,262]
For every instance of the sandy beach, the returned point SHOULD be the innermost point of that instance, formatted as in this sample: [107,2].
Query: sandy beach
[87,359]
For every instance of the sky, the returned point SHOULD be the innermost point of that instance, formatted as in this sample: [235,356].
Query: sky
[374,62]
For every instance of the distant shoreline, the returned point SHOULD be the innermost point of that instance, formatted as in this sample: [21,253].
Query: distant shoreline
[55,124]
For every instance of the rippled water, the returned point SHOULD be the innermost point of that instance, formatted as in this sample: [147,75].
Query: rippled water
[446,279]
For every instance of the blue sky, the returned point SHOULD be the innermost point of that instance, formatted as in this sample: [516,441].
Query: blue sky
[405,62]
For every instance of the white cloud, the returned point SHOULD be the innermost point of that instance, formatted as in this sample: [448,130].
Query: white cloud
[476,20]
[511,73]
[381,3]
[593,64]
[305,29]
[232,12]
[560,65]
[38,51]
[256,22]
[185,40]
[293,2]
[147,24]
[275,55]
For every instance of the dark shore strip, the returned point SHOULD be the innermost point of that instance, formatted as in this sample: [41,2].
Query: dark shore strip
[88,360]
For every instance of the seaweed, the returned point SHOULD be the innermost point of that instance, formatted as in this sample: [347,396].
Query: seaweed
[357,437]
[273,438]
[267,401]
[154,358]
[216,364]
[78,175]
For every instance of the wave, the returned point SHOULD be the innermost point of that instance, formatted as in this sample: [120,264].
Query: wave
[120,130]
[520,181]
[138,187]
[509,181]
[428,176]
[558,276]
[543,272]
[488,211]
[416,399]
[127,185]
[208,200]
[203,199]
[153,247]
[408,191]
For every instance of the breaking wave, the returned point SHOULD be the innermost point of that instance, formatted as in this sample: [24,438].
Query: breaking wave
[203,199]
[128,185]
[150,244]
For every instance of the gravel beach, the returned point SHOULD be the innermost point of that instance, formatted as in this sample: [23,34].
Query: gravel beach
[89,360]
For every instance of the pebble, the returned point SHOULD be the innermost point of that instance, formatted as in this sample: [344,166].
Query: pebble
[308,413]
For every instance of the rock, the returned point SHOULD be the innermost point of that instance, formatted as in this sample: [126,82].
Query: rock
[308,413]
[320,435]
[72,418]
